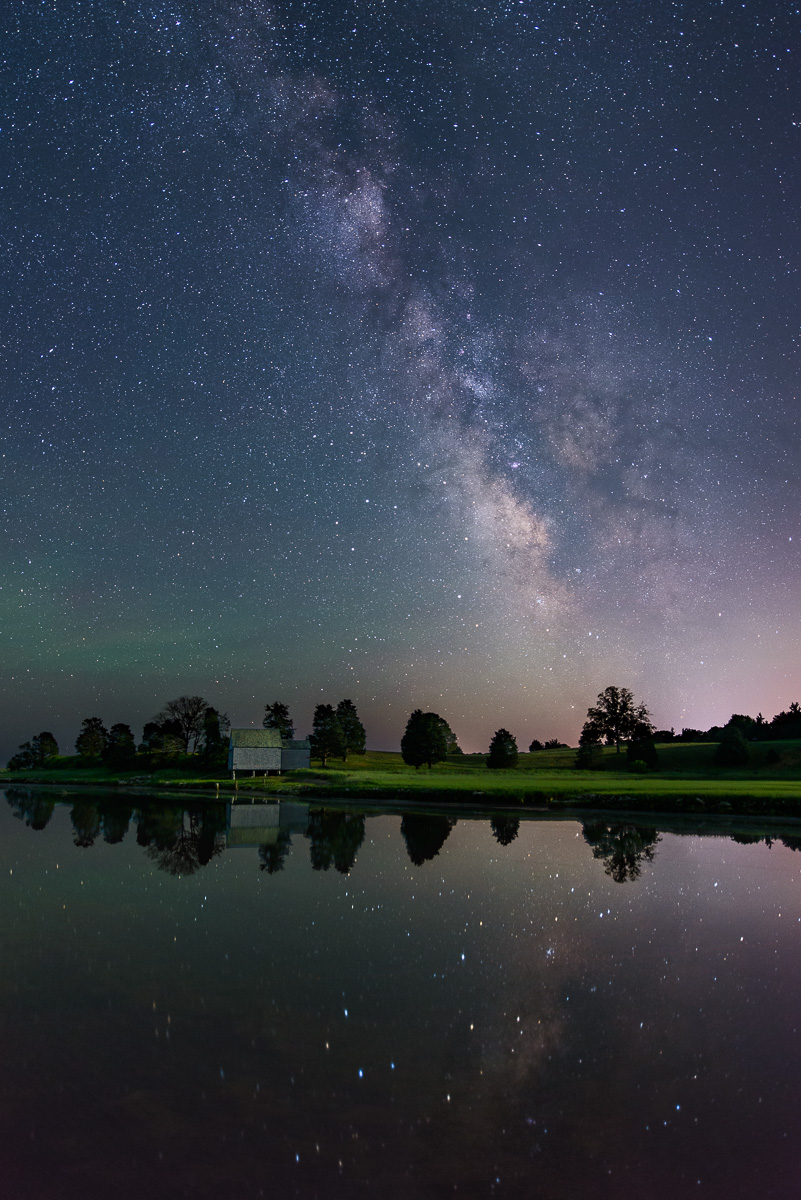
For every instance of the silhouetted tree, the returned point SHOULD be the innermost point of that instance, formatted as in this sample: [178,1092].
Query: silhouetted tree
[622,848]
[502,751]
[119,751]
[91,741]
[425,739]
[215,742]
[326,737]
[748,727]
[786,725]
[188,713]
[424,835]
[353,735]
[535,745]
[642,750]
[732,749]
[36,753]
[555,744]
[451,744]
[162,738]
[276,716]
[616,718]
[505,829]
[589,756]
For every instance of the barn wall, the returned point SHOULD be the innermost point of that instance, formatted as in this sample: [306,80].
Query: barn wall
[256,758]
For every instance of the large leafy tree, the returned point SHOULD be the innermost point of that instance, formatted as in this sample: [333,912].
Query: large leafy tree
[35,753]
[353,734]
[425,739]
[616,718]
[451,743]
[120,748]
[327,740]
[91,741]
[276,716]
[188,713]
[732,749]
[215,746]
[503,750]
[162,736]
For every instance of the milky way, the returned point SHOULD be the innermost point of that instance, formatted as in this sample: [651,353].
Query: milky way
[437,356]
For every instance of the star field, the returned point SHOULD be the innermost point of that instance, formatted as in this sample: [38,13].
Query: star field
[440,357]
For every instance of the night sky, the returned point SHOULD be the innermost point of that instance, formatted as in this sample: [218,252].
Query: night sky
[438,355]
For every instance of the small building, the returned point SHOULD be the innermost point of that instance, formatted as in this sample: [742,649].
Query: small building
[265,752]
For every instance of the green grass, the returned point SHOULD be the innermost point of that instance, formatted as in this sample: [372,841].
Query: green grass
[546,776]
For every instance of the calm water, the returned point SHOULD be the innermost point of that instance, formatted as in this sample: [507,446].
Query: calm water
[264,1002]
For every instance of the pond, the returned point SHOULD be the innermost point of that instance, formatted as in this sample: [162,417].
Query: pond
[271,1000]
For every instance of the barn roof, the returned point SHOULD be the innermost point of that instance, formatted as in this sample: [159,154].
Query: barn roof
[256,738]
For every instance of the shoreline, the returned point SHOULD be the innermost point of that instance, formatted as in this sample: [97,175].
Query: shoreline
[690,798]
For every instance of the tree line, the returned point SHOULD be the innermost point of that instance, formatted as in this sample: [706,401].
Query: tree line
[190,725]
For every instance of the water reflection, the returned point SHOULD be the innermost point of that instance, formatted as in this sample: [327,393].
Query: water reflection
[35,808]
[335,838]
[621,848]
[505,829]
[314,1001]
[425,835]
[181,839]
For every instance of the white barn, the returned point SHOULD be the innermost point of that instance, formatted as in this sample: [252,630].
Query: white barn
[265,752]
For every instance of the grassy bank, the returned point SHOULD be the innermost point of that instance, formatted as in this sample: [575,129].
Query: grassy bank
[687,774]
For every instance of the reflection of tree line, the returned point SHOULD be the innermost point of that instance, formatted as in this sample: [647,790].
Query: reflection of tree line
[180,840]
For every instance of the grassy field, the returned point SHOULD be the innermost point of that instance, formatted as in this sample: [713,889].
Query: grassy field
[546,777]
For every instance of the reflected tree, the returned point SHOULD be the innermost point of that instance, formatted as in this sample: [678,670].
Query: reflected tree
[273,855]
[85,817]
[335,838]
[622,848]
[752,839]
[505,829]
[31,807]
[209,823]
[191,844]
[115,817]
[425,835]
[159,825]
